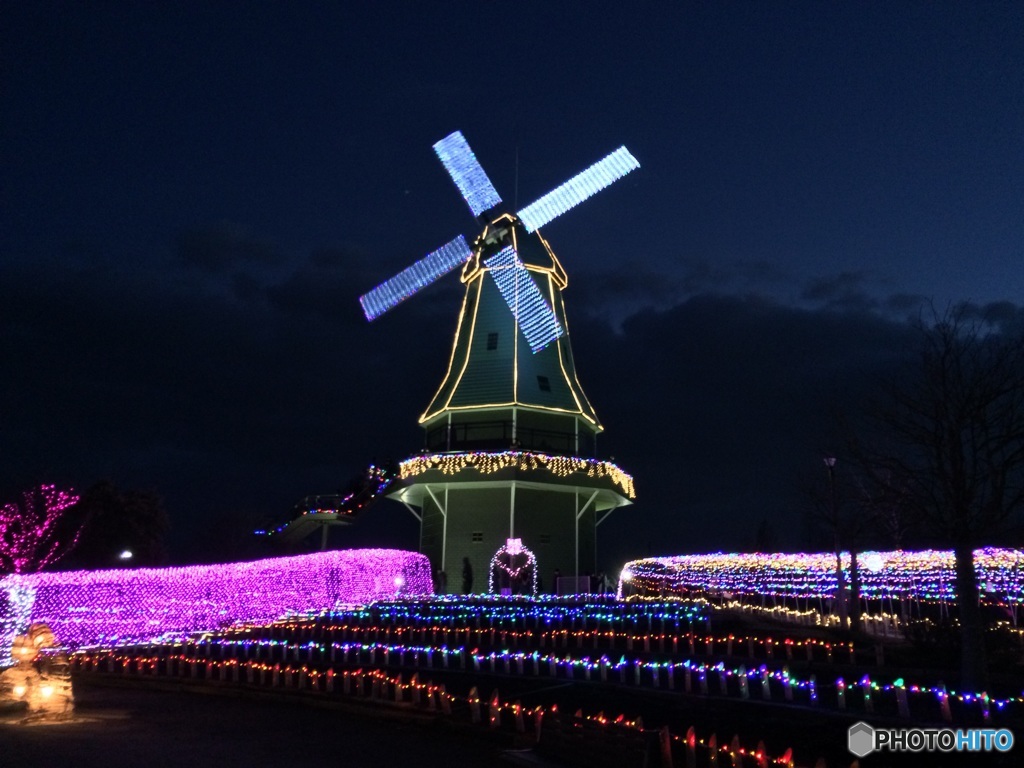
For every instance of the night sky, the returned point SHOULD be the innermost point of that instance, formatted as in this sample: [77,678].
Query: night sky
[195,194]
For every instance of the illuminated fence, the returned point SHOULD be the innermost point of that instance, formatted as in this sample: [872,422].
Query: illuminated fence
[120,606]
[925,575]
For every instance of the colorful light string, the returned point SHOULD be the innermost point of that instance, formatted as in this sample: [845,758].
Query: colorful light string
[383,687]
[377,478]
[926,575]
[487,463]
[311,640]
[509,566]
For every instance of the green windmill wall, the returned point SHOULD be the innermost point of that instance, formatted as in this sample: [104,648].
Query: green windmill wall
[493,366]
[493,380]
[478,525]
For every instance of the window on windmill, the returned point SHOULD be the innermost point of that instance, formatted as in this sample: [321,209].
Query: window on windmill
[478,537]
[543,383]
[492,341]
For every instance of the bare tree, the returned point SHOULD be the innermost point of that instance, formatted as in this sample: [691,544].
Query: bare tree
[951,445]
[839,517]
[888,508]
[30,532]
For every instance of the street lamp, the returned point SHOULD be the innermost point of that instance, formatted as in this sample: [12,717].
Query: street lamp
[830,465]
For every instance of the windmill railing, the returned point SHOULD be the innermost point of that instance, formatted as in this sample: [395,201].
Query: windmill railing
[504,435]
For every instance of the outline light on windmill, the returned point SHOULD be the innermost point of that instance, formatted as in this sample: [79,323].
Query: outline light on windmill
[532,312]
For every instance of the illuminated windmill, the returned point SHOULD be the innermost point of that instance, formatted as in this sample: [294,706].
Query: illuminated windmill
[510,435]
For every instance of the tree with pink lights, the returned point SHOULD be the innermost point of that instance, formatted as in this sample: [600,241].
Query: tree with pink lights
[33,532]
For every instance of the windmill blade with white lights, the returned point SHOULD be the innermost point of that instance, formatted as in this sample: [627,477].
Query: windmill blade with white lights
[495,250]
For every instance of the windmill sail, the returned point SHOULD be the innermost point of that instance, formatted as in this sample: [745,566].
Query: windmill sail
[414,277]
[468,175]
[577,189]
[533,315]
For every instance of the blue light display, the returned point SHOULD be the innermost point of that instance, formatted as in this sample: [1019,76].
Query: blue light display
[468,175]
[533,315]
[577,189]
[414,277]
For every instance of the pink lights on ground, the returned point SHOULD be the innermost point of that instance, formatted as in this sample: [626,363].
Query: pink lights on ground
[120,606]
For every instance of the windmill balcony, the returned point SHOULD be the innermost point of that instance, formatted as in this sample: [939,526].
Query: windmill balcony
[498,436]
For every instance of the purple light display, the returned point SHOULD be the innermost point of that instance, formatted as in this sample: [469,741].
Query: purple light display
[114,607]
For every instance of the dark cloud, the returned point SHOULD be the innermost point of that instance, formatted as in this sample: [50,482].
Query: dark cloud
[246,287]
[224,245]
[210,401]
[759,274]
[317,292]
[723,408]
[720,406]
[631,289]
[330,281]
[843,291]
[1002,316]
[613,295]
[906,304]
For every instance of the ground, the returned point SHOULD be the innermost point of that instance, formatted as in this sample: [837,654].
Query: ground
[131,726]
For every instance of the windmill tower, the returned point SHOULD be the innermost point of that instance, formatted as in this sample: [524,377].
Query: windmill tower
[511,438]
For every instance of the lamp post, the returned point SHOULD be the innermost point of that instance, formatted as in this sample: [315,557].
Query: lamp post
[830,465]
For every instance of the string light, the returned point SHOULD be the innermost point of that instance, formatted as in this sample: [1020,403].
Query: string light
[504,562]
[323,638]
[926,575]
[28,531]
[120,606]
[487,463]
[348,506]
[365,680]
